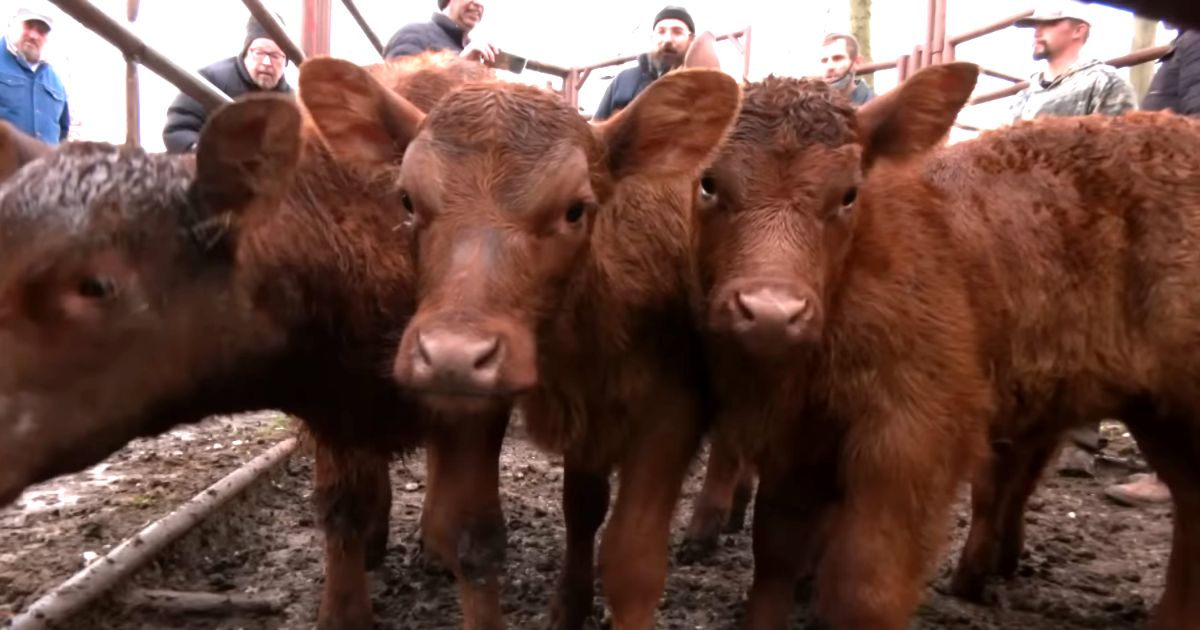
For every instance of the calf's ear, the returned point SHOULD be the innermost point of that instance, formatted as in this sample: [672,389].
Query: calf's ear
[674,127]
[917,115]
[361,120]
[247,154]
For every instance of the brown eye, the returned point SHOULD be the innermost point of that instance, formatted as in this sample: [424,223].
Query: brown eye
[406,201]
[575,212]
[850,197]
[96,288]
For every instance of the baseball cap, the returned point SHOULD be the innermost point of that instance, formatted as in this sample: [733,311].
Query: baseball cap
[24,14]
[1054,11]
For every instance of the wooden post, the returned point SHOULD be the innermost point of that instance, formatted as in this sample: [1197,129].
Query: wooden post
[315,37]
[133,114]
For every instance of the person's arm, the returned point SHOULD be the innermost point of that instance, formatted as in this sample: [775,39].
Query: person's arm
[409,40]
[1115,97]
[64,121]
[185,118]
[605,110]
[1189,73]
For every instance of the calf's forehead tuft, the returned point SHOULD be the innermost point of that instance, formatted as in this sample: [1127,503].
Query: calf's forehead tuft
[793,113]
[66,186]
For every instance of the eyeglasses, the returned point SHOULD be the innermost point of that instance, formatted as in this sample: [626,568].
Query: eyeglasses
[259,54]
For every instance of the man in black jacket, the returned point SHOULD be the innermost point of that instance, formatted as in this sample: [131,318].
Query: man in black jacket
[450,29]
[1176,85]
[673,34]
[259,68]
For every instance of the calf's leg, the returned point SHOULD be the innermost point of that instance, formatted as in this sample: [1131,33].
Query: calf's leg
[721,504]
[462,522]
[634,548]
[1172,448]
[999,496]
[788,524]
[349,498]
[585,504]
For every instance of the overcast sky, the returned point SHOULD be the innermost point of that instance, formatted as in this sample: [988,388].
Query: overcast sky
[195,33]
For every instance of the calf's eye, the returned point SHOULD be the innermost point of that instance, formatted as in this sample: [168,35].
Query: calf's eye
[575,212]
[96,287]
[708,189]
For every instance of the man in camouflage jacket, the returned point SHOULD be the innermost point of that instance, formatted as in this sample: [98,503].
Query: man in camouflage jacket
[1069,86]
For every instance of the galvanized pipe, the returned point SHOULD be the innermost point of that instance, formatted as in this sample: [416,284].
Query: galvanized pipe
[136,50]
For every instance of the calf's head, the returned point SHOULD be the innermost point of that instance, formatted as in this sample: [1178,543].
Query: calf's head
[504,183]
[116,285]
[780,207]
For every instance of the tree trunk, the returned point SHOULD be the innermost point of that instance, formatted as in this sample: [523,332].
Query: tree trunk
[1144,31]
[860,28]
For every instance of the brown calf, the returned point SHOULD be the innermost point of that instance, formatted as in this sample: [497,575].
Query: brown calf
[1082,238]
[842,341]
[138,292]
[553,271]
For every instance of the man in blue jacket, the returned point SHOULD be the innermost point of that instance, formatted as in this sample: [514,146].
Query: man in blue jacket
[673,34]
[32,97]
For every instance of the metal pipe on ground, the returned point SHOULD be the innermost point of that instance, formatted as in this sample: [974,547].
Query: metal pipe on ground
[136,50]
[57,606]
[275,30]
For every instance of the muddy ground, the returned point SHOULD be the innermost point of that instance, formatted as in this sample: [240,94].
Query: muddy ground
[1089,564]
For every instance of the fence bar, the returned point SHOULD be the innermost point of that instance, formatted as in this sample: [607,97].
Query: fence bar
[362,23]
[938,52]
[990,28]
[745,52]
[136,50]
[546,68]
[133,113]
[275,30]
[999,75]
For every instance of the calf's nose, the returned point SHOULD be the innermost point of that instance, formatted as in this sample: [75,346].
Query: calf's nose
[771,315]
[456,359]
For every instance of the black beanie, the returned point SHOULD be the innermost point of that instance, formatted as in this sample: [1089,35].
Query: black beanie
[676,13]
[254,30]
[442,4]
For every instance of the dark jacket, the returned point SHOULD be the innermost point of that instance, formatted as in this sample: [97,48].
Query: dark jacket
[439,33]
[1176,85]
[625,87]
[34,101]
[861,94]
[186,115]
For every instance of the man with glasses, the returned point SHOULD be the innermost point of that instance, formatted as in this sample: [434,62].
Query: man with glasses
[259,68]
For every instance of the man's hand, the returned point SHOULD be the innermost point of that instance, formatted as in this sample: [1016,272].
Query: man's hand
[480,51]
